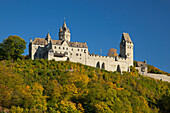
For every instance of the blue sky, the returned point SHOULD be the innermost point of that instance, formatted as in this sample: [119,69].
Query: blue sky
[99,23]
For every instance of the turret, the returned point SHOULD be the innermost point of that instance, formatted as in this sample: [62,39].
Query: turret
[64,33]
[126,48]
[48,38]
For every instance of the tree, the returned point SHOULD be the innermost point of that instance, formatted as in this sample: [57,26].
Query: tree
[12,47]
[112,52]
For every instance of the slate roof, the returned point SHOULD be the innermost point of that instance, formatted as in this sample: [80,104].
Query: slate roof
[77,44]
[42,41]
[126,37]
[141,64]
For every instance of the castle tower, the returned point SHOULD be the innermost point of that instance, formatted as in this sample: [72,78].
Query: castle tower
[64,33]
[48,38]
[126,48]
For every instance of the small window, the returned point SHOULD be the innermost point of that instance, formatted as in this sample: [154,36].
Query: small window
[77,54]
[77,45]
[66,48]
[85,51]
[72,49]
[78,49]
[55,47]
[42,42]
[80,54]
[63,48]
[59,47]
[66,53]
[81,50]
[70,53]
[83,45]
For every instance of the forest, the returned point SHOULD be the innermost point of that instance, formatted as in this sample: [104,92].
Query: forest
[42,86]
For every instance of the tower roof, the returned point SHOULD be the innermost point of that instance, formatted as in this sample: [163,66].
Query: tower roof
[64,24]
[126,37]
[48,36]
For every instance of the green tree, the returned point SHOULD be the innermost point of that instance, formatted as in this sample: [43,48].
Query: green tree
[12,47]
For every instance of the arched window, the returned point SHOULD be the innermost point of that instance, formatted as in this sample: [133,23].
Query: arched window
[98,65]
[118,69]
[103,65]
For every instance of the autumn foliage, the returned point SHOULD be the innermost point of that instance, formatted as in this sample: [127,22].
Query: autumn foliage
[38,86]
[112,52]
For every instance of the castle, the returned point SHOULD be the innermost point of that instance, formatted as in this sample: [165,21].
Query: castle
[63,50]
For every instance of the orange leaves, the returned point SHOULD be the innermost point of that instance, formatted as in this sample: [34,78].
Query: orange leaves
[80,107]
[112,52]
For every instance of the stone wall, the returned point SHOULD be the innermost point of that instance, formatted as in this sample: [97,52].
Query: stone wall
[159,76]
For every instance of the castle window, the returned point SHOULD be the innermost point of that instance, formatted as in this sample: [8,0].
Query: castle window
[81,50]
[80,54]
[78,49]
[72,49]
[66,48]
[85,51]
[55,47]
[59,47]
[66,53]
[63,48]
[77,54]
[77,45]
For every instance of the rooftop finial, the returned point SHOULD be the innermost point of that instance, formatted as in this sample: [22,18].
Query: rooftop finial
[64,25]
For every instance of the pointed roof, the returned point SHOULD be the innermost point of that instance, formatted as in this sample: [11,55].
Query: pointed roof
[61,29]
[64,24]
[126,37]
[48,36]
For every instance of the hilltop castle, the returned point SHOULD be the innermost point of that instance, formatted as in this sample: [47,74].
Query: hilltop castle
[63,50]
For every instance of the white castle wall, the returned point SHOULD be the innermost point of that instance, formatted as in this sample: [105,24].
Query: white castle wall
[159,76]
[110,63]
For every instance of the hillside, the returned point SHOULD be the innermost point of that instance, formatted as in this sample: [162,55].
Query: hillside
[66,87]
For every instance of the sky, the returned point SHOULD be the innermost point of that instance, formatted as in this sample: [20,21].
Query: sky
[99,23]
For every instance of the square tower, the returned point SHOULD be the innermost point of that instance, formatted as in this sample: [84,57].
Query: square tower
[126,48]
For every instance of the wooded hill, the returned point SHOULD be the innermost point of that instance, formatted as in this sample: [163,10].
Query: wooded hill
[65,87]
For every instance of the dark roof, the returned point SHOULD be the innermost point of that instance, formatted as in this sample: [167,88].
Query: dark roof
[126,37]
[77,44]
[141,64]
[40,41]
